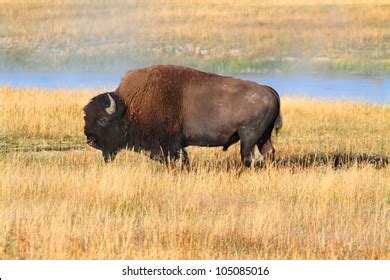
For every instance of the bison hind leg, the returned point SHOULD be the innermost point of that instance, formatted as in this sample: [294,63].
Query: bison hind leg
[266,149]
[248,141]
[232,140]
[255,133]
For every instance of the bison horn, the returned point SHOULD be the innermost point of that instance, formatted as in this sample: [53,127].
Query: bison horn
[110,110]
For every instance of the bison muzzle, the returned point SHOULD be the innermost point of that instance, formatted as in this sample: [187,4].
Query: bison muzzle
[163,109]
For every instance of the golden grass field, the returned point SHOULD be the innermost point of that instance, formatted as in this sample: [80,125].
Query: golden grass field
[58,200]
[233,36]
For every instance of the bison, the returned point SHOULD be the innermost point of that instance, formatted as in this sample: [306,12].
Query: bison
[163,109]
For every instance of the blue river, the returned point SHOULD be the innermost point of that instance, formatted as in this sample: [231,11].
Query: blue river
[373,90]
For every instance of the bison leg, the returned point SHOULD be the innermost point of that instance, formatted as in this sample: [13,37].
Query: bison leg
[179,158]
[252,134]
[108,156]
[246,151]
[157,156]
[184,161]
[248,139]
[173,158]
[267,150]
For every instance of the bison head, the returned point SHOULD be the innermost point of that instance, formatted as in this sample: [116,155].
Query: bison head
[104,124]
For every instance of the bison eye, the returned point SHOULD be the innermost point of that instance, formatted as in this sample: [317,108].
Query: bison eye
[103,121]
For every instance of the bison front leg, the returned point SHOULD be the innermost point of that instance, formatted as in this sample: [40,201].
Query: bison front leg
[183,159]
[108,156]
[158,155]
[172,158]
[178,159]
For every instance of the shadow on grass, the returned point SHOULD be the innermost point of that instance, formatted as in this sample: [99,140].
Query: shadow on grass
[297,161]
[51,148]
[337,160]
[304,161]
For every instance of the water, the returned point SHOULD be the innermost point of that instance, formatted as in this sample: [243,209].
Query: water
[374,90]
[74,81]
[347,88]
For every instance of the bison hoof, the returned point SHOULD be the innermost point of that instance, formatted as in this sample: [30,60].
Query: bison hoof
[108,157]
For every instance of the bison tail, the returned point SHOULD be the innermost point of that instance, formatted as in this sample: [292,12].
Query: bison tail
[278,123]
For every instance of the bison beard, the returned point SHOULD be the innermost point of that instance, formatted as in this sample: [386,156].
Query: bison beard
[163,109]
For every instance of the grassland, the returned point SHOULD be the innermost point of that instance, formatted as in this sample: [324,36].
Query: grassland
[58,200]
[224,35]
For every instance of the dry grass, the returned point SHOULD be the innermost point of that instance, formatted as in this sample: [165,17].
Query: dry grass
[235,36]
[70,205]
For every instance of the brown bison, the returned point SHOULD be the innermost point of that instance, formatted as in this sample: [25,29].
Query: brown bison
[163,109]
